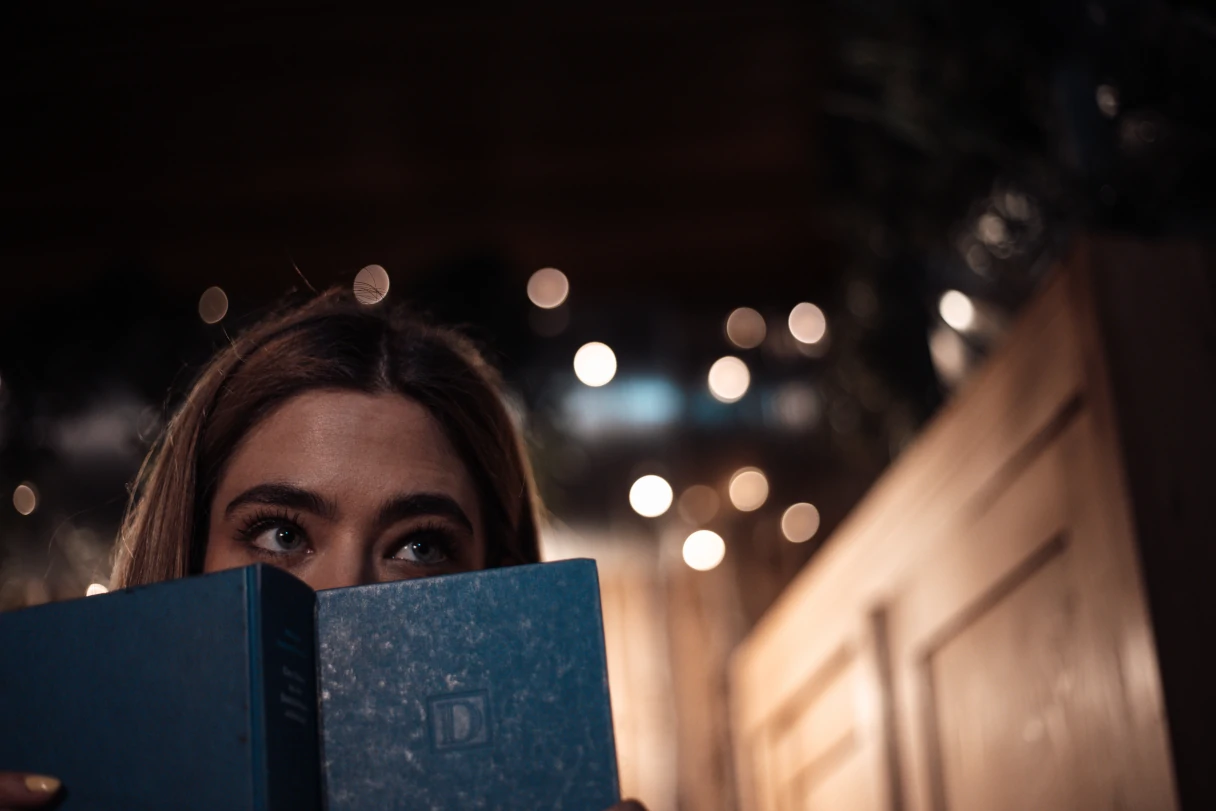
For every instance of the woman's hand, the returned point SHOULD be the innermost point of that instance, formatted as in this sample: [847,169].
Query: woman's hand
[26,790]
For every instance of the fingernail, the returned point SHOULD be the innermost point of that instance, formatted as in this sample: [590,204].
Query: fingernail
[42,783]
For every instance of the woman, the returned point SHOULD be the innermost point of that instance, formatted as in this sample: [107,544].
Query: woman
[343,443]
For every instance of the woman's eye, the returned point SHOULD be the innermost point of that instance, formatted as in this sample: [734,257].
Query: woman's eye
[425,550]
[280,538]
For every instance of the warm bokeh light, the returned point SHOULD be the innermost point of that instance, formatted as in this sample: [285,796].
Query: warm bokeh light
[703,550]
[808,324]
[595,364]
[212,305]
[698,504]
[992,230]
[748,489]
[729,379]
[650,496]
[796,405]
[371,284]
[95,589]
[949,355]
[548,288]
[1108,100]
[800,522]
[957,310]
[25,498]
[745,328]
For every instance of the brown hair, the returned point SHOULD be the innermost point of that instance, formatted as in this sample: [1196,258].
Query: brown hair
[331,341]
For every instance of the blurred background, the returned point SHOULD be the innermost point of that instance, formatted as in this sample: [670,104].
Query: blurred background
[730,257]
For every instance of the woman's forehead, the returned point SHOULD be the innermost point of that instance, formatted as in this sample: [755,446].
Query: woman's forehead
[351,445]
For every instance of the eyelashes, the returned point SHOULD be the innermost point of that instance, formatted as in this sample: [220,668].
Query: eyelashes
[429,543]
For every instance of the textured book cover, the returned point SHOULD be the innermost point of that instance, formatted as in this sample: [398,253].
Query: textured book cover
[194,695]
[485,690]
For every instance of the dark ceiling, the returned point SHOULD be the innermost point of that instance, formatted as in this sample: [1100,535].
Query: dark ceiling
[647,151]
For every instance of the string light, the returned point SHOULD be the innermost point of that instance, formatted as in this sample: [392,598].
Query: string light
[703,550]
[94,589]
[595,364]
[1108,100]
[745,328]
[212,305]
[807,323]
[371,285]
[957,310]
[548,288]
[748,489]
[25,498]
[800,522]
[729,379]
[698,504]
[650,496]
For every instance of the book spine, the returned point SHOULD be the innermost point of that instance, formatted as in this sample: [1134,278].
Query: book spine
[284,672]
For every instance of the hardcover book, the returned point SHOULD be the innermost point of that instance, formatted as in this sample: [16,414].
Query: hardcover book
[485,690]
[196,694]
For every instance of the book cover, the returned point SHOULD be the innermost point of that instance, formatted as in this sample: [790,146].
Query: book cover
[485,690]
[195,694]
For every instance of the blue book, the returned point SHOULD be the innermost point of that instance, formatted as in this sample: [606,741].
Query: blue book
[485,690]
[195,695]
[482,690]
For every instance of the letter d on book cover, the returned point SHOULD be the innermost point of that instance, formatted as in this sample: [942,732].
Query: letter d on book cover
[485,690]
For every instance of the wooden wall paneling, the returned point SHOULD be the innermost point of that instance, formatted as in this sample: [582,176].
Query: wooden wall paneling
[1150,310]
[864,562]
[823,748]
[998,562]
[971,621]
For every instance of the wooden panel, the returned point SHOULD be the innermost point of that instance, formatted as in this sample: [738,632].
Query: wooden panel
[1150,312]
[822,748]
[1011,648]
[1009,661]
[954,460]
[1001,740]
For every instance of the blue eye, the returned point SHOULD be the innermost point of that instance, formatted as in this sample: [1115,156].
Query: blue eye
[281,539]
[275,535]
[426,548]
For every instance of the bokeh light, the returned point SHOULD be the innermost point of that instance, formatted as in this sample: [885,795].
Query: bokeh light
[650,496]
[729,379]
[704,549]
[808,324]
[698,504]
[800,522]
[748,489]
[595,364]
[957,310]
[548,288]
[25,498]
[94,589]
[1108,100]
[371,284]
[949,355]
[796,405]
[212,305]
[745,328]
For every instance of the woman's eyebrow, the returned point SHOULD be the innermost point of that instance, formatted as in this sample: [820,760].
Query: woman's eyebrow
[278,494]
[414,505]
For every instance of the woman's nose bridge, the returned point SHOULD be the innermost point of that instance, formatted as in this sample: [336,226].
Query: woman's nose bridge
[347,560]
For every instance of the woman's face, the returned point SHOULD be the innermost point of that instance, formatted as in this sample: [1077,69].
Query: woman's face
[342,488]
